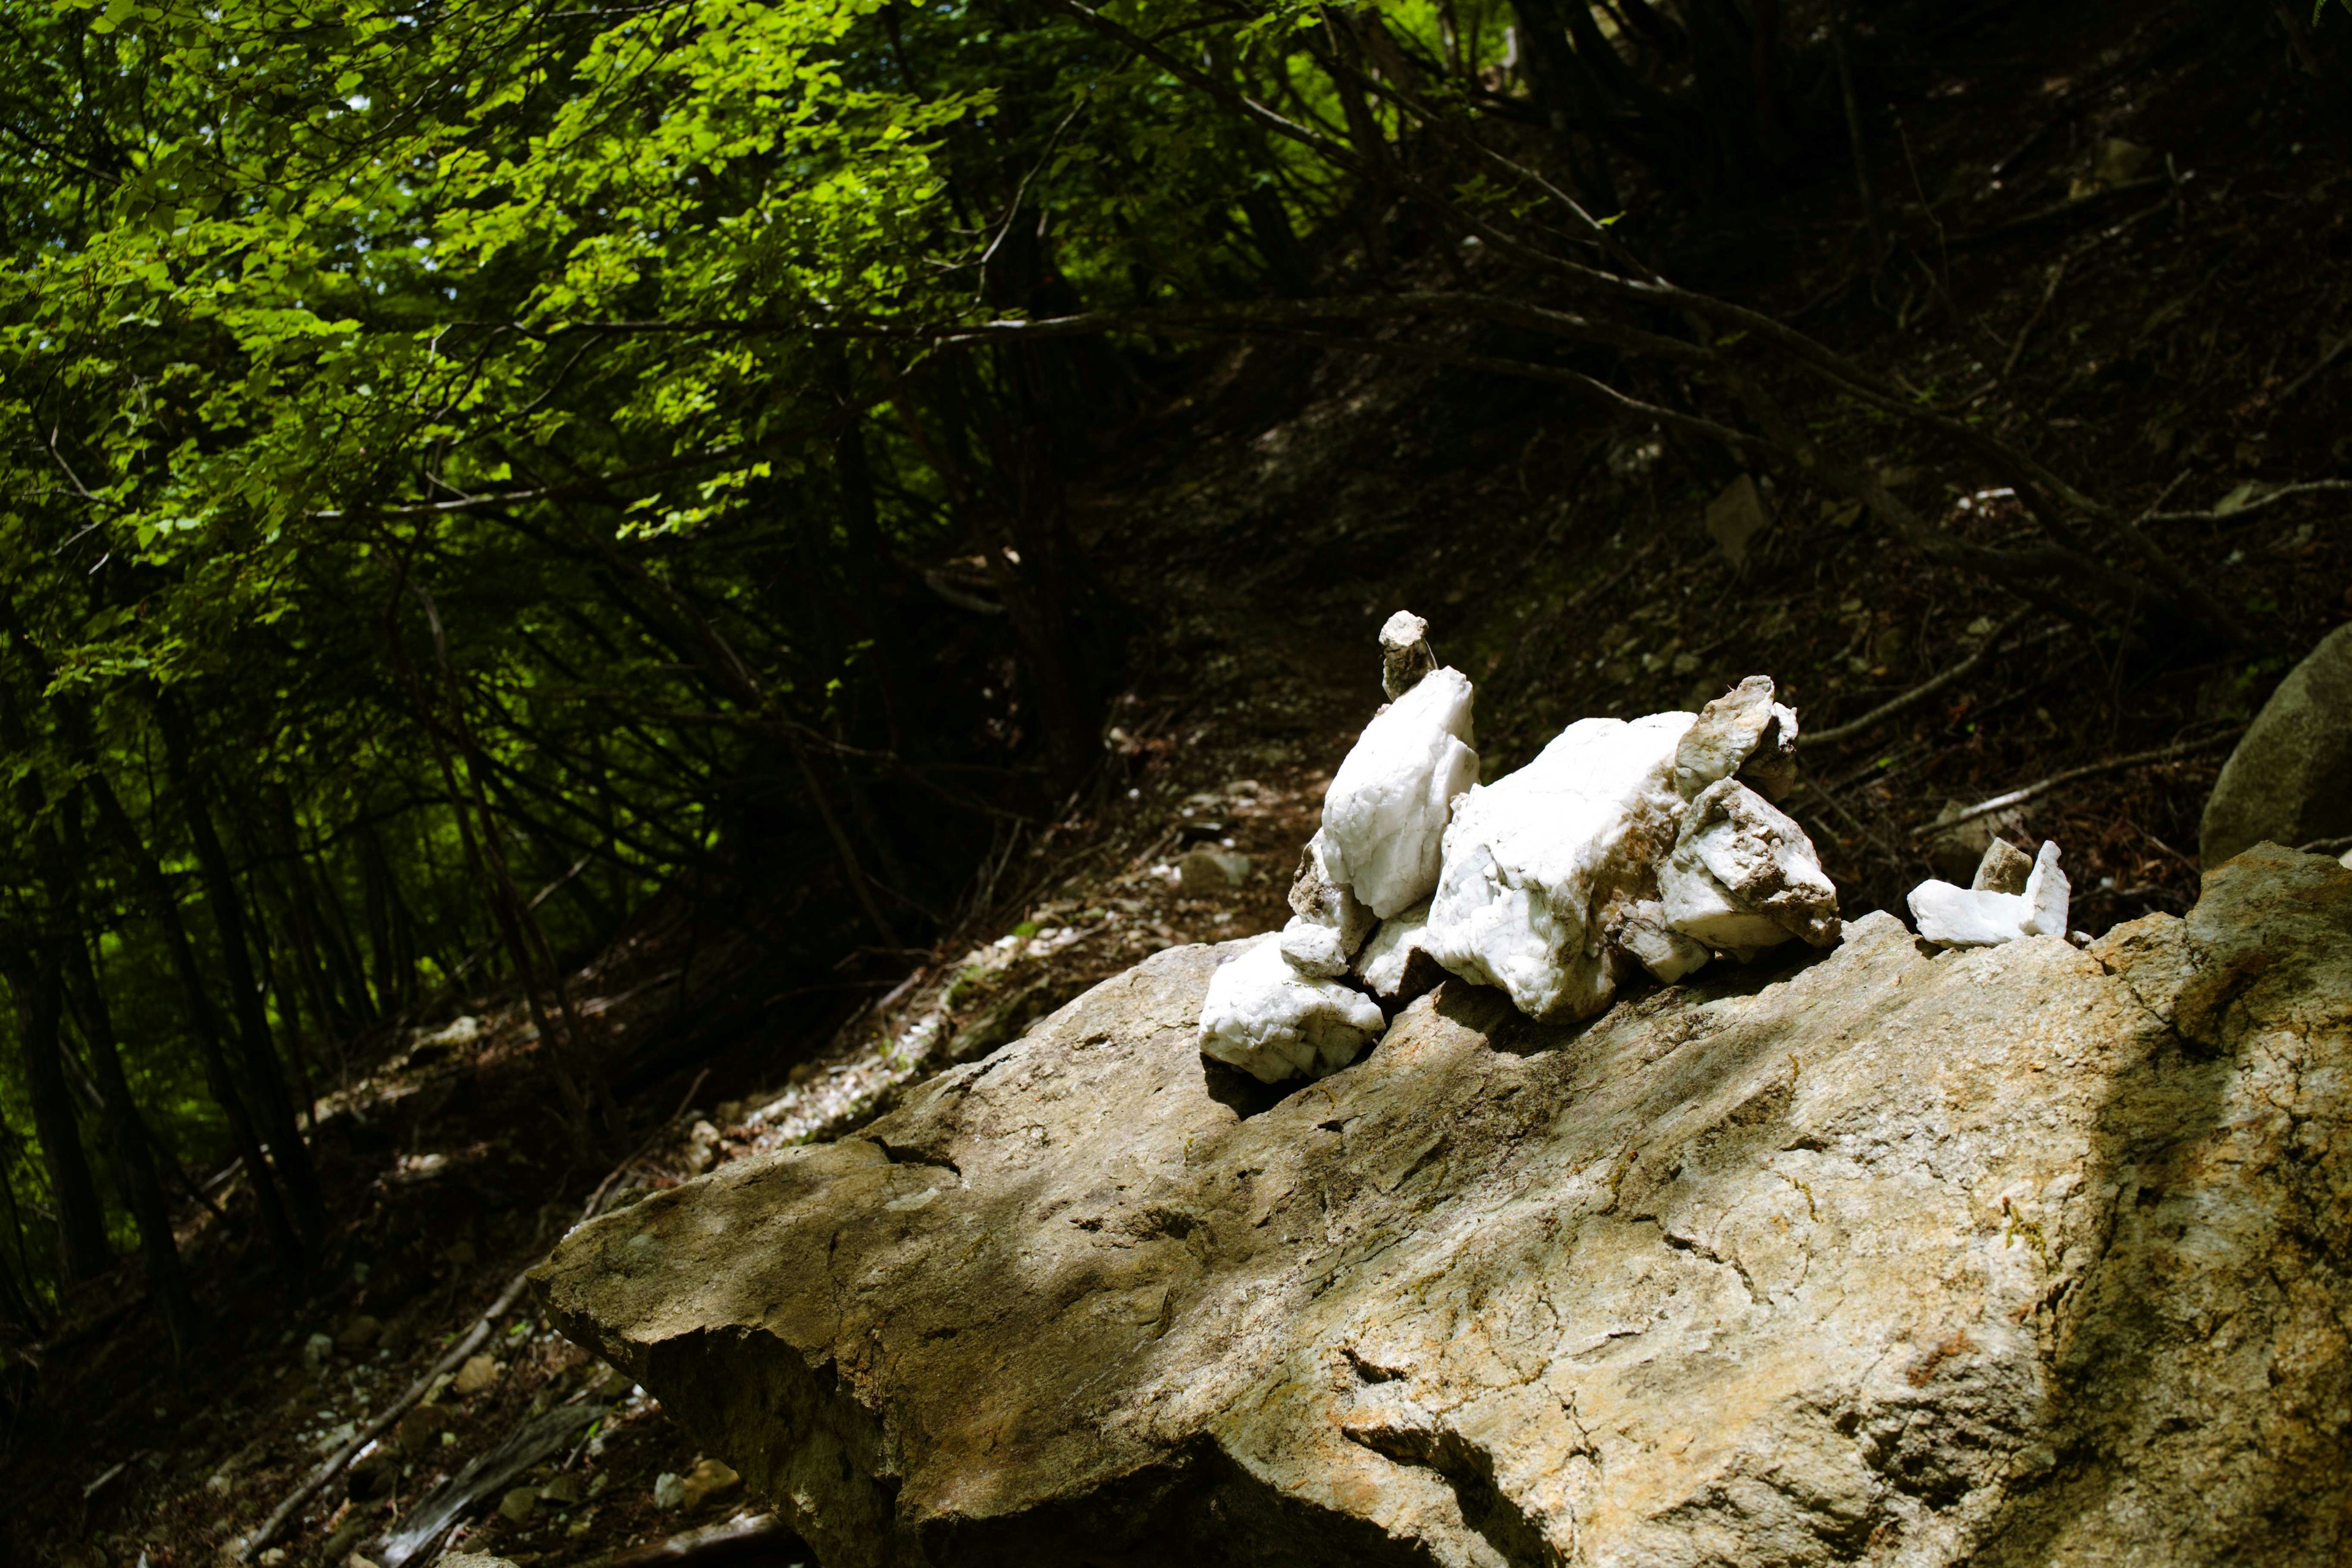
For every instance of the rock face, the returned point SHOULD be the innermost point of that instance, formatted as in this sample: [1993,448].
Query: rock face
[2290,779]
[2021,1254]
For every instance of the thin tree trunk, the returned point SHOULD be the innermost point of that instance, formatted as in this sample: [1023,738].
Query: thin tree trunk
[35,976]
[263,1071]
[478,830]
[204,1022]
[142,1189]
[22,1304]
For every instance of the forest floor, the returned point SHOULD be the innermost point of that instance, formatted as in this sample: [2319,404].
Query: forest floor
[2147,298]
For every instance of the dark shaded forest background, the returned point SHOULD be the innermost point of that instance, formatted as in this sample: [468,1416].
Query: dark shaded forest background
[665,523]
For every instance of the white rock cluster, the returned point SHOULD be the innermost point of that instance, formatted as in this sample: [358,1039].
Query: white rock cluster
[2012,897]
[1652,842]
[1279,1010]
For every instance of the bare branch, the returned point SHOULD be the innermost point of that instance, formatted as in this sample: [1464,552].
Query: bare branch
[2020,796]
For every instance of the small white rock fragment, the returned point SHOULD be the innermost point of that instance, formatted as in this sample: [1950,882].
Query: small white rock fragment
[1951,916]
[1663,951]
[1535,863]
[1272,1022]
[1313,950]
[1396,965]
[1770,769]
[1743,874]
[1981,917]
[1321,898]
[1405,654]
[1384,818]
[2047,894]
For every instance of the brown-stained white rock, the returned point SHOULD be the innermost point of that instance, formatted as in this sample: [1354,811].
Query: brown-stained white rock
[2018,1256]
[2004,869]
[1743,874]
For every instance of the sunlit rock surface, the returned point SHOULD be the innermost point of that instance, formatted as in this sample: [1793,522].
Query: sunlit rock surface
[2020,1256]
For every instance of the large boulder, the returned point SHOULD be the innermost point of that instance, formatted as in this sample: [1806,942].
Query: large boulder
[2017,1255]
[2290,779]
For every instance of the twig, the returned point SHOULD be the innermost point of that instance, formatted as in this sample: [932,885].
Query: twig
[2062,212]
[2042,786]
[2330,357]
[2017,351]
[1927,689]
[332,1466]
[693,1545]
[450,1360]
[2327,845]
[2306,487]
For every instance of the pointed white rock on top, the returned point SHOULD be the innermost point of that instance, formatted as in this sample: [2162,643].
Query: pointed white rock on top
[1534,862]
[1405,654]
[1384,818]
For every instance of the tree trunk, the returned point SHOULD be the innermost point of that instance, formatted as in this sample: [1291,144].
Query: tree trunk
[263,1072]
[204,1022]
[73,723]
[18,1298]
[34,975]
[134,1156]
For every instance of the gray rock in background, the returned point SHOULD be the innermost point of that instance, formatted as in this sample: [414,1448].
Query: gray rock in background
[2290,780]
[2026,1255]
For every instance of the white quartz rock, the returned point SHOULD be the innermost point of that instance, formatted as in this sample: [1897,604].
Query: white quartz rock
[1384,818]
[1981,917]
[1272,1022]
[1536,863]
[1770,769]
[1951,916]
[1744,875]
[1313,949]
[2047,895]
[1320,898]
[1396,965]
[1663,951]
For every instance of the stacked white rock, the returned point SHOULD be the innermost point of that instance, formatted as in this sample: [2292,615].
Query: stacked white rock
[1396,965]
[1652,842]
[2012,897]
[1648,841]
[1279,1010]
[1271,1021]
[1384,817]
[1536,862]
